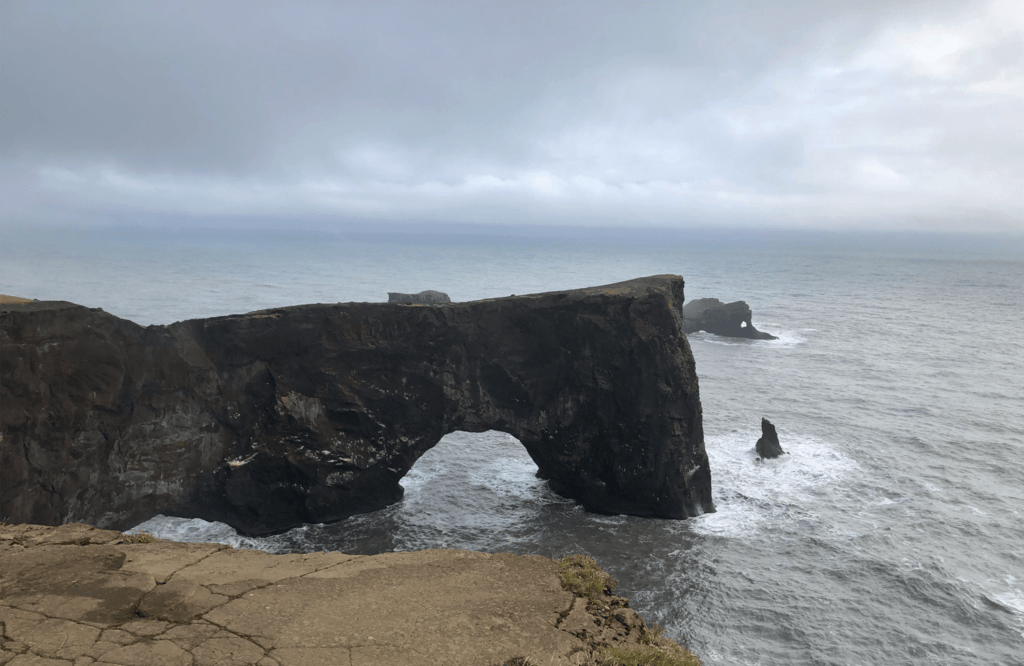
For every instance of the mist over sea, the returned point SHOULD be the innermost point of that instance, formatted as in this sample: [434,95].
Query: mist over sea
[891,534]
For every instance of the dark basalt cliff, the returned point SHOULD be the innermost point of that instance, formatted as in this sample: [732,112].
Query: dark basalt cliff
[314,413]
[732,320]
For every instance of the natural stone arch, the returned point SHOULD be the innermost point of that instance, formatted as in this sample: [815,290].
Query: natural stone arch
[314,413]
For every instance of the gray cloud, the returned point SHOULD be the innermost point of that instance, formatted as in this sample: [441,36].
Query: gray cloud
[794,114]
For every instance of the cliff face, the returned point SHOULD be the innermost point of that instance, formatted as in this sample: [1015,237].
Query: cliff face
[313,413]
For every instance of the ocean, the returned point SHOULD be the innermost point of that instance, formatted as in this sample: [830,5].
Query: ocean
[891,533]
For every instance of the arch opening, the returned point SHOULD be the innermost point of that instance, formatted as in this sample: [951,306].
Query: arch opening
[472,487]
[471,491]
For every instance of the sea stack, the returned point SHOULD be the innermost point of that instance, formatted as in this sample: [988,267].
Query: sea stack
[731,320]
[768,445]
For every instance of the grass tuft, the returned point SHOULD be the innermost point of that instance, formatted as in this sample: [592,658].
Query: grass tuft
[581,576]
[141,537]
[653,635]
[648,655]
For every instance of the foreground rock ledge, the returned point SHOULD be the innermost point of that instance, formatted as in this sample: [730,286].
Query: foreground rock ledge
[78,595]
[313,413]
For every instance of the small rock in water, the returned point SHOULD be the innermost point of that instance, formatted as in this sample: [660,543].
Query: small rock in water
[768,446]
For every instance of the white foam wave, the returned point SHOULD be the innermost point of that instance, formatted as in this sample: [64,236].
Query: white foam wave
[417,476]
[1012,599]
[196,530]
[509,475]
[785,339]
[751,494]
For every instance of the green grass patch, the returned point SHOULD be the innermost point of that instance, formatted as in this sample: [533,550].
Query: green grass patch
[141,537]
[648,655]
[581,576]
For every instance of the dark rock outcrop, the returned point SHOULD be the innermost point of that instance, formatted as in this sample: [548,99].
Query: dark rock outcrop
[768,445]
[313,413]
[731,320]
[428,297]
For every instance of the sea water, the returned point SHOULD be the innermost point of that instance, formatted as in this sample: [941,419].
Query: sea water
[892,531]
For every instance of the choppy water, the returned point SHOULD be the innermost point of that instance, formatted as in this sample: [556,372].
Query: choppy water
[891,533]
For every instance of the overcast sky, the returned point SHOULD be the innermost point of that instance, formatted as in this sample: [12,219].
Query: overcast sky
[827,114]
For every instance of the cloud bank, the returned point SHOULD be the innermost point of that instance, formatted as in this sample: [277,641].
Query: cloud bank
[802,114]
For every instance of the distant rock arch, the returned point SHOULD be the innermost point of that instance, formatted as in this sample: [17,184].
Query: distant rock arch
[731,320]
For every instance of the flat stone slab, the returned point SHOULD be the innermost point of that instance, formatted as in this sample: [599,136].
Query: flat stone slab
[77,595]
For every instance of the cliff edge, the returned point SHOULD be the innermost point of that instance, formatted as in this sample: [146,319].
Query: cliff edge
[77,595]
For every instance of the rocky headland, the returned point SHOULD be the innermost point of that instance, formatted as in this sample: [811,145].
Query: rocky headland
[314,413]
[75,595]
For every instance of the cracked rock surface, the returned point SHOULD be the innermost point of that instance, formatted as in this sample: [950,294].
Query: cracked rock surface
[77,595]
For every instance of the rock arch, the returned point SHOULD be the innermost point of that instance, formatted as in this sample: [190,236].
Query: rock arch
[314,413]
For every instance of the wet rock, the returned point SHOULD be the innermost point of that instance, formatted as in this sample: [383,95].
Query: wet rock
[768,445]
[314,413]
[732,320]
[428,297]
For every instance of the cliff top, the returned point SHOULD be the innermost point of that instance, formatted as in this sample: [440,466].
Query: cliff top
[635,286]
[75,594]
